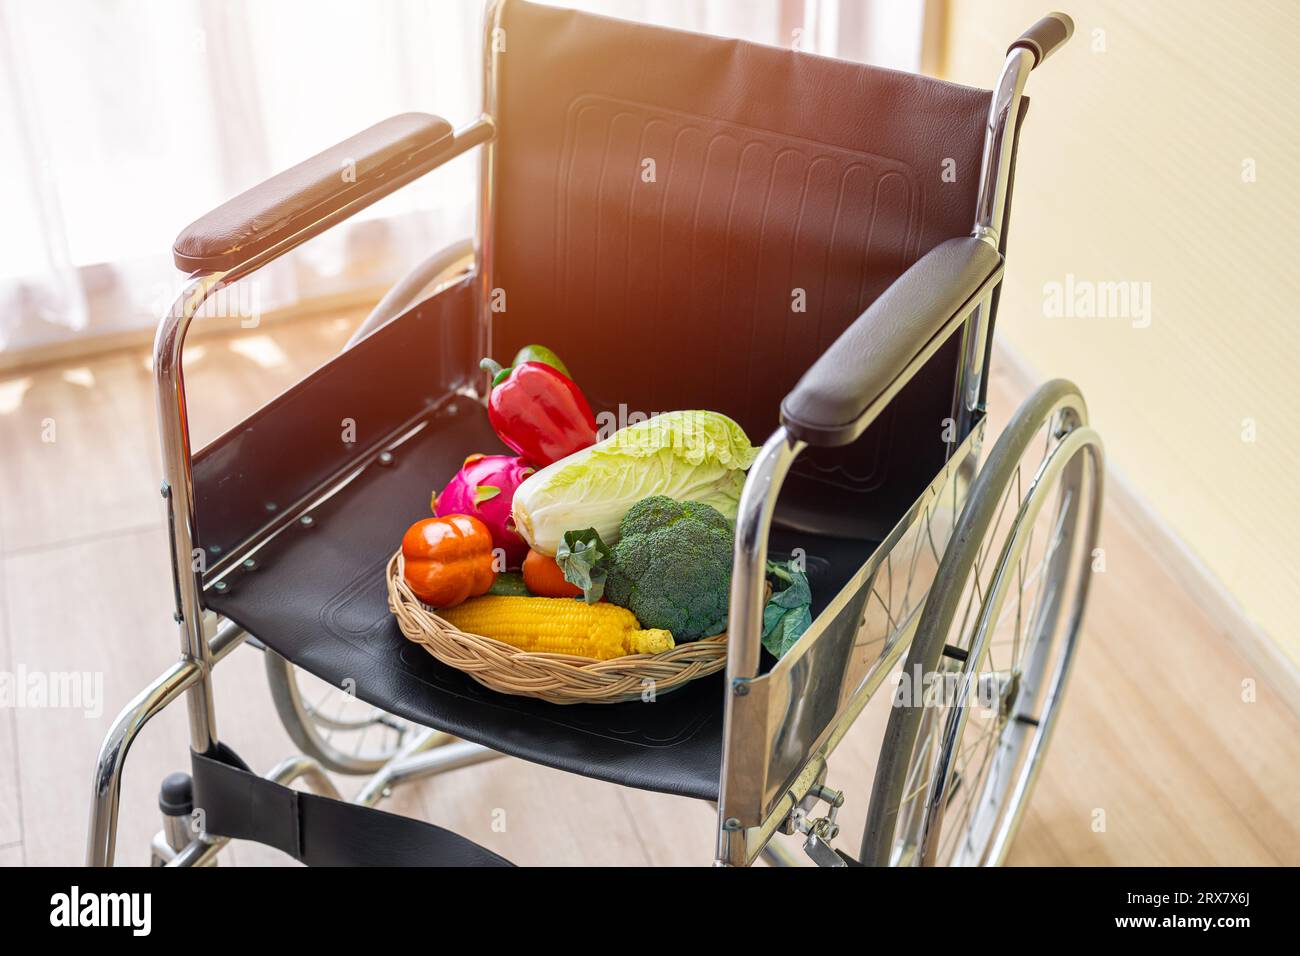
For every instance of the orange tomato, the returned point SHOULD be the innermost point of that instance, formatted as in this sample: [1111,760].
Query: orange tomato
[448,559]
[543,577]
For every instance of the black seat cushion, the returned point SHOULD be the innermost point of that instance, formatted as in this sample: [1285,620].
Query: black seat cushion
[318,598]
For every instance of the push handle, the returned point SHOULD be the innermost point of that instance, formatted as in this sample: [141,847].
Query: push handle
[1045,36]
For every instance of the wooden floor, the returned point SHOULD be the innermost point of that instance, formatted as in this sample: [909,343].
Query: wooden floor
[1157,760]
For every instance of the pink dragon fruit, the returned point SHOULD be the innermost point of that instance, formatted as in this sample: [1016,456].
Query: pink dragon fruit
[484,487]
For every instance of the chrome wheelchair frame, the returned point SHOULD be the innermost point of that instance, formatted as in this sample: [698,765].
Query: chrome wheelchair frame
[775,752]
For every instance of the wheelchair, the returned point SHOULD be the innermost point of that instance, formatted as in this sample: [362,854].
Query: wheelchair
[691,222]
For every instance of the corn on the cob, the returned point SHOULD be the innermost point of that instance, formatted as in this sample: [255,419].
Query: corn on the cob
[558,626]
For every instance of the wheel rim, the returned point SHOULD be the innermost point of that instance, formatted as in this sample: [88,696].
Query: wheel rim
[1022,643]
[1001,646]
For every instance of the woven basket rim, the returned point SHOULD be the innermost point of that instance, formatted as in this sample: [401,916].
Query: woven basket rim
[558,678]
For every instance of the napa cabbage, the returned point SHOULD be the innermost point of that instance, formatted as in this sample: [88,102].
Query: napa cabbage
[685,455]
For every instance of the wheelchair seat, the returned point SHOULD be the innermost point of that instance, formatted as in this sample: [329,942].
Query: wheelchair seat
[316,596]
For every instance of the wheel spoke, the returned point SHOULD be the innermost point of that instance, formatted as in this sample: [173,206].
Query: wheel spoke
[314,709]
[963,758]
[967,802]
[1058,535]
[361,739]
[997,522]
[916,771]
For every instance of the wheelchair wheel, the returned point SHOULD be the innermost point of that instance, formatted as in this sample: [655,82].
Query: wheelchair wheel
[984,676]
[345,734]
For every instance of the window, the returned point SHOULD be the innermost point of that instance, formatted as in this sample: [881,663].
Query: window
[123,120]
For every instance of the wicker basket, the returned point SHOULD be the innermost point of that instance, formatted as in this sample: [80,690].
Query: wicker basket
[558,678]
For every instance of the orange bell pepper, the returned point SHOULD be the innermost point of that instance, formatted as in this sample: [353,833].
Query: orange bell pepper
[448,560]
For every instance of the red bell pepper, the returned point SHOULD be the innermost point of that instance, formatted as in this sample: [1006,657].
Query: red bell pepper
[539,412]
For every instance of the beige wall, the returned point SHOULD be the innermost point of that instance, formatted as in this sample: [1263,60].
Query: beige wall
[1131,169]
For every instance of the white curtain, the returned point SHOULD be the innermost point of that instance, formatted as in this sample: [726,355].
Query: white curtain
[123,120]
[881,32]
[756,20]
[38,281]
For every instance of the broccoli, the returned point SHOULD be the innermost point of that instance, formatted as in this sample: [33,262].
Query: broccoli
[672,566]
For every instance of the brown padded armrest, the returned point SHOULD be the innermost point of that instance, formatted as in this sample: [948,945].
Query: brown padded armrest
[257,219]
[826,406]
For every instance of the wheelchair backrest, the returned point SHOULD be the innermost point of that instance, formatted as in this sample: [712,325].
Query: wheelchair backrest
[690,221]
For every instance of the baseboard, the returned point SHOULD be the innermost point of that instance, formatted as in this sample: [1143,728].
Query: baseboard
[1202,587]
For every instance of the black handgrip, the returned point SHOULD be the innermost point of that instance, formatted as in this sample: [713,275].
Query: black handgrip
[1045,36]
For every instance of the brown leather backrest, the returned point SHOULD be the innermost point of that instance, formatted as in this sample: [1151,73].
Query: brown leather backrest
[667,201]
